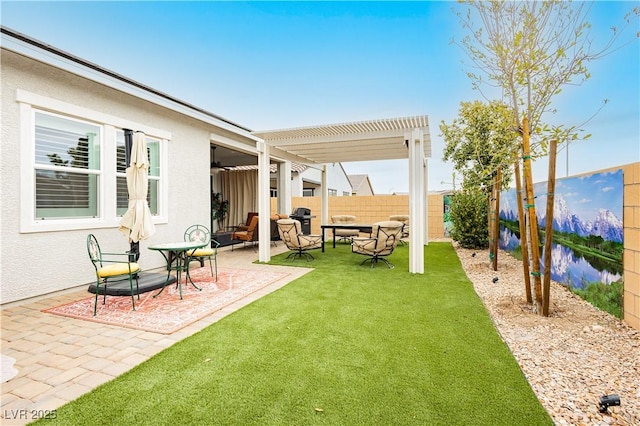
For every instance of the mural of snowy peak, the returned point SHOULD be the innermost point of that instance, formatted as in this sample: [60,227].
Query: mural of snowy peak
[588,232]
[605,224]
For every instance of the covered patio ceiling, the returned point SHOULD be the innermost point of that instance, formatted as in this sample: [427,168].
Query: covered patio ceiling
[372,140]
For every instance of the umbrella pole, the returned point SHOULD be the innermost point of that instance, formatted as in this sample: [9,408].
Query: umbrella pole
[128,143]
[134,251]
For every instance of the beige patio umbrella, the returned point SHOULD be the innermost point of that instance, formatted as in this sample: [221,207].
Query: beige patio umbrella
[136,223]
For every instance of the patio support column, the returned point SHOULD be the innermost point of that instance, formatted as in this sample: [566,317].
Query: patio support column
[417,194]
[264,202]
[284,187]
[426,201]
[296,185]
[324,200]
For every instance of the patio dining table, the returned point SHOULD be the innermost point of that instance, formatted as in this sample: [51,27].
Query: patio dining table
[177,252]
[360,227]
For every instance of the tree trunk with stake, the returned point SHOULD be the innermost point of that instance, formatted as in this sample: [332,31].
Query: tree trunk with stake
[530,210]
[548,234]
[523,234]
[496,217]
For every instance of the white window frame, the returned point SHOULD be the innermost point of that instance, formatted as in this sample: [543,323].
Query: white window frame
[151,177]
[107,216]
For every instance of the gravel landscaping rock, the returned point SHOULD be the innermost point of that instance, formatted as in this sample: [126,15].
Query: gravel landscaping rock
[571,358]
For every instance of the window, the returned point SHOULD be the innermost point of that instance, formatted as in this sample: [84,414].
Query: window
[122,193]
[307,192]
[346,193]
[72,172]
[333,192]
[67,167]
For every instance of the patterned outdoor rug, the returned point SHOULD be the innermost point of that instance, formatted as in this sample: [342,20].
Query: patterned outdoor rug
[167,313]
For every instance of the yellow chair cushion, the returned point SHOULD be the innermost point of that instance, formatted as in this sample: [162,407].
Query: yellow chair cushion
[116,269]
[201,252]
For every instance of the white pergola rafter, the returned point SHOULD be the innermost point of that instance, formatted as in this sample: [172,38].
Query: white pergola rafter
[375,140]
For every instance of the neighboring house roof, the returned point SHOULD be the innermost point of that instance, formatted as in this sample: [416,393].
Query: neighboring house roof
[358,181]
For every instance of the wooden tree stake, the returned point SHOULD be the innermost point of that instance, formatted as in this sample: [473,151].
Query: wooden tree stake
[548,234]
[532,221]
[496,218]
[523,234]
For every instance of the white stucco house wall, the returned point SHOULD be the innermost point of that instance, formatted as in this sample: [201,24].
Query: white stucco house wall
[307,182]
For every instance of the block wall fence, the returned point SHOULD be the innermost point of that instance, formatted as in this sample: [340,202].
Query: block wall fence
[631,256]
[370,209]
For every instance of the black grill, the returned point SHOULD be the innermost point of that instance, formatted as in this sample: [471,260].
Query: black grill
[303,215]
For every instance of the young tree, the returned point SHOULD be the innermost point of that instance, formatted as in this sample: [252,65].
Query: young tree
[530,50]
[479,142]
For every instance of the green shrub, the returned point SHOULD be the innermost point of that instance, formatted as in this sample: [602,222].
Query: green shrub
[469,217]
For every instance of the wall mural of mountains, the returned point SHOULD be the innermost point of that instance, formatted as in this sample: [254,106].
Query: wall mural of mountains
[587,222]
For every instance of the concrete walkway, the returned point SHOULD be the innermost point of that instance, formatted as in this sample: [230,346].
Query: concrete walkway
[58,359]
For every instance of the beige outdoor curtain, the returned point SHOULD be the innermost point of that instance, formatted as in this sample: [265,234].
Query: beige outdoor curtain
[240,188]
[137,223]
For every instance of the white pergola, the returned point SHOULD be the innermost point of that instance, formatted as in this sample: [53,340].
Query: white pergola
[374,140]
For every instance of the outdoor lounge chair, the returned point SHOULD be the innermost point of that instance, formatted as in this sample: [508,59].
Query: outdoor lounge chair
[245,226]
[275,234]
[201,233]
[291,233]
[107,266]
[344,234]
[250,234]
[404,219]
[384,239]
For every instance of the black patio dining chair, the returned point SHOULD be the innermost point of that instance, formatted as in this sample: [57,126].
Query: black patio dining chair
[108,267]
[201,233]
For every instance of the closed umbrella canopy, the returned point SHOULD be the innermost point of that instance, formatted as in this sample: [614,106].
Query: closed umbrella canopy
[136,223]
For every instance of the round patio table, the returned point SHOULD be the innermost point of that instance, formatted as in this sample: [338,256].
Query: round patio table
[178,252]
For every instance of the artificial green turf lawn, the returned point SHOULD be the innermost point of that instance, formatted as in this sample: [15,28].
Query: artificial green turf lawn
[343,345]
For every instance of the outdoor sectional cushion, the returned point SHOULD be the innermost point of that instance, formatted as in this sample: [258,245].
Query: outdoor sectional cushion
[345,219]
[201,252]
[116,269]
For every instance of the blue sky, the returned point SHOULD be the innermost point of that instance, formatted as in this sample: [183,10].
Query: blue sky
[271,65]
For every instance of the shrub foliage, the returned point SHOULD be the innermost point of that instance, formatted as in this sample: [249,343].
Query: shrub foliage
[469,210]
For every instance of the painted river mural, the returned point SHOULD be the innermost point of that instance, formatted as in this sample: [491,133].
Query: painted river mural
[587,222]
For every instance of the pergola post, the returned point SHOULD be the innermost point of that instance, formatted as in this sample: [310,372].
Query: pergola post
[417,194]
[426,201]
[324,201]
[264,202]
[284,187]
